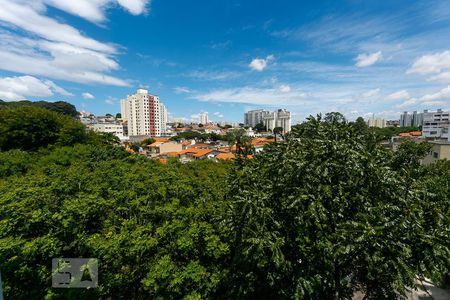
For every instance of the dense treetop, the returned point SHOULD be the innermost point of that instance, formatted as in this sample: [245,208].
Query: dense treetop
[57,106]
[320,215]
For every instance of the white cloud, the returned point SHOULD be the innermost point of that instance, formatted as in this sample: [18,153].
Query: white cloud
[21,87]
[365,60]
[442,77]
[109,101]
[87,95]
[28,19]
[259,64]
[212,75]
[435,99]
[54,49]
[285,88]
[370,93]
[250,95]
[182,89]
[91,10]
[218,114]
[135,7]
[57,89]
[94,10]
[442,94]
[431,63]
[403,94]
[407,103]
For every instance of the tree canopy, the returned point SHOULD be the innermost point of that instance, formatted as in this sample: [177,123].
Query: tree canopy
[320,215]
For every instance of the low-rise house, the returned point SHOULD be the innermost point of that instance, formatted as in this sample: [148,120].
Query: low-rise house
[414,136]
[164,147]
[194,154]
[440,150]
[225,156]
[116,129]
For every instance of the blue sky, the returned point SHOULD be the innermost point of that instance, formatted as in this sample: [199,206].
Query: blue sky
[228,56]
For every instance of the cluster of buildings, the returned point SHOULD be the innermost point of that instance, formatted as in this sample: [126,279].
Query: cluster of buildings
[435,124]
[190,150]
[143,115]
[376,122]
[279,118]
[435,127]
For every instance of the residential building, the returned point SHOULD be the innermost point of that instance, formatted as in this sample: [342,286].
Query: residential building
[376,122]
[405,119]
[440,150]
[279,118]
[142,111]
[165,147]
[415,119]
[116,129]
[396,141]
[254,117]
[203,118]
[436,124]
[393,123]
[164,118]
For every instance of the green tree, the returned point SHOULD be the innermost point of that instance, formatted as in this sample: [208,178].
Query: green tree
[147,141]
[360,124]
[324,214]
[259,127]
[30,128]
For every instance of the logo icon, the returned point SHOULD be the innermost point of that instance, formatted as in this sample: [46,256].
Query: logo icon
[74,272]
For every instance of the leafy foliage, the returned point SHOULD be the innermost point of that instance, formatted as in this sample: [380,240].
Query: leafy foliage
[61,107]
[29,128]
[151,226]
[325,214]
[320,215]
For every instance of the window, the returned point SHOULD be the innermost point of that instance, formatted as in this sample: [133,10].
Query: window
[435,155]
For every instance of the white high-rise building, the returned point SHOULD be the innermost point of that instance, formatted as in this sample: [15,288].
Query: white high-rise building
[203,118]
[436,124]
[279,118]
[142,111]
[254,117]
[376,122]
[164,118]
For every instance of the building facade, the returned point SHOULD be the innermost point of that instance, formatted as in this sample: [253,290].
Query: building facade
[254,117]
[116,129]
[142,112]
[203,118]
[436,124]
[279,118]
[164,118]
[440,150]
[376,122]
[412,120]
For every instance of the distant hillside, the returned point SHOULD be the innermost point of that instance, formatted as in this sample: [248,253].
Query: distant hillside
[58,106]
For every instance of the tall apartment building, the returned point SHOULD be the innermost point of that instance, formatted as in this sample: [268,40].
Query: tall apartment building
[164,118]
[279,118]
[376,122]
[203,118]
[142,111]
[253,117]
[415,119]
[436,124]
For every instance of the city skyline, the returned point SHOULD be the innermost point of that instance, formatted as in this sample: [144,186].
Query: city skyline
[226,58]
